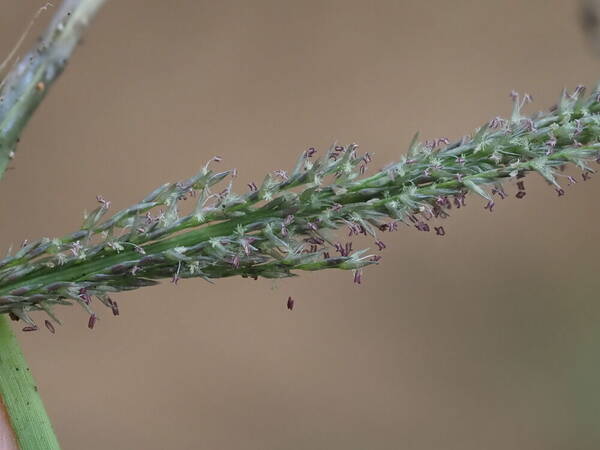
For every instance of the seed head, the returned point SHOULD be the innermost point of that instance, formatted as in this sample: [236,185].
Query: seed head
[286,223]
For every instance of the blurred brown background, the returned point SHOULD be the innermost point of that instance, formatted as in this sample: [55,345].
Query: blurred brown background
[488,338]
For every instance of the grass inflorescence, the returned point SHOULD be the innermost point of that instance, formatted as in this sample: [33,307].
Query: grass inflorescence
[292,221]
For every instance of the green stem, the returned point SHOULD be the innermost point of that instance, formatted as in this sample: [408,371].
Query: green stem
[26,85]
[20,395]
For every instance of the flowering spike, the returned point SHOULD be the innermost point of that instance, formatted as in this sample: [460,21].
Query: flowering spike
[289,223]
